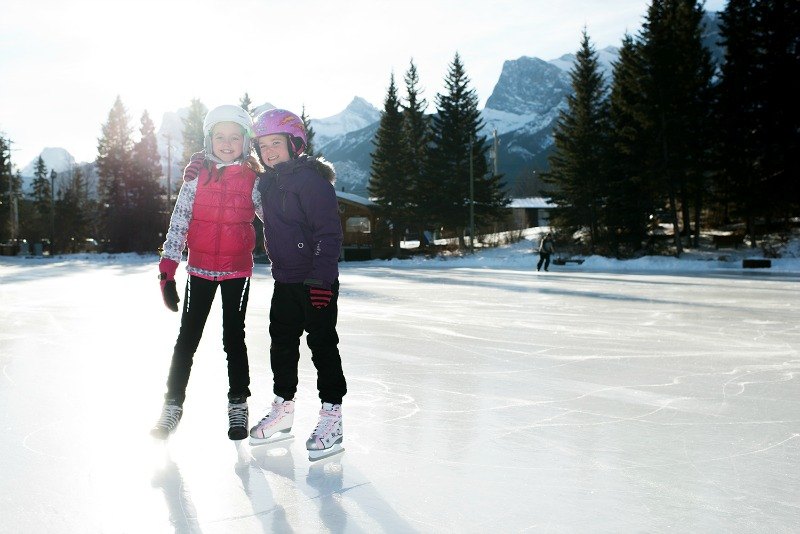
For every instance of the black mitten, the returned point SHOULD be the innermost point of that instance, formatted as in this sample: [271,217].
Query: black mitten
[170,294]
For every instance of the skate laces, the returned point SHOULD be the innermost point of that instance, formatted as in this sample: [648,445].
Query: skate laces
[327,419]
[274,414]
[237,414]
[170,415]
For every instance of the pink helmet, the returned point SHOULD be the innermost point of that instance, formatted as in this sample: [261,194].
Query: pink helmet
[280,121]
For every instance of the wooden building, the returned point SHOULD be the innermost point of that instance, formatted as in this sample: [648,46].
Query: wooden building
[357,214]
[529,212]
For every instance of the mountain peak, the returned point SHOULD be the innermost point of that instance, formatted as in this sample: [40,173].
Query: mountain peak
[528,85]
[358,114]
[358,104]
[55,159]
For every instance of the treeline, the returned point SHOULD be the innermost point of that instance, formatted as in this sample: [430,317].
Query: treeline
[430,172]
[120,204]
[672,138]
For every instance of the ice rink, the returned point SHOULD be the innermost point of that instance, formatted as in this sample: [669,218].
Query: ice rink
[481,399]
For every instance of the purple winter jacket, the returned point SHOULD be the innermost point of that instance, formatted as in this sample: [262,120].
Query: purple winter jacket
[302,229]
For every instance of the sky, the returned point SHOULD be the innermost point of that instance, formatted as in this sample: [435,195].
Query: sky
[64,62]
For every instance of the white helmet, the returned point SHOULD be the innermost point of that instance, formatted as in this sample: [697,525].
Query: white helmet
[227,113]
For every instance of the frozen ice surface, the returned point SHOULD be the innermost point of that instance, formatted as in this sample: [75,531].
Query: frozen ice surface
[481,399]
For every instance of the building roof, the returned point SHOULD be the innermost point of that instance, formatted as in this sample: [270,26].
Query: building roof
[530,202]
[363,201]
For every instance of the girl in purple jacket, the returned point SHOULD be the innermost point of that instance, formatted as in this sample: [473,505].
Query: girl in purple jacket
[303,237]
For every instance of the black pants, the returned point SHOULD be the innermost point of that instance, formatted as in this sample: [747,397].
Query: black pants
[290,314]
[196,306]
[544,257]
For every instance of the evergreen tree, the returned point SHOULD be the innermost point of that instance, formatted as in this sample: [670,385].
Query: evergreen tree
[145,191]
[577,165]
[309,133]
[456,150]
[72,212]
[193,135]
[245,103]
[42,202]
[387,184]
[10,193]
[759,111]
[114,170]
[631,199]
[740,184]
[677,91]
[416,138]
[778,88]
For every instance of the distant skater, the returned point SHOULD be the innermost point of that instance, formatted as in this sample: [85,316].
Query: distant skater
[546,248]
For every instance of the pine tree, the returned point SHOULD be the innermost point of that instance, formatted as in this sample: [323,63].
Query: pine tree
[778,86]
[759,111]
[739,182]
[309,133]
[631,195]
[677,90]
[577,165]
[10,192]
[457,149]
[145,189]
[193,135]
[245,102]
[72,212]
[114,171]
[42,202]
[387,183]
[416,138]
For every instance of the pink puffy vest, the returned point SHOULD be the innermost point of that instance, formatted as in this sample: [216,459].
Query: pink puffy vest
[221,234]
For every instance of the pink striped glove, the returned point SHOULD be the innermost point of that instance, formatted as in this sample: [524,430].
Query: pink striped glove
[320,297]
[192,170]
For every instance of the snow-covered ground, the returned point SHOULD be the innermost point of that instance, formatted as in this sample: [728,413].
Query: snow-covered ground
[646,396]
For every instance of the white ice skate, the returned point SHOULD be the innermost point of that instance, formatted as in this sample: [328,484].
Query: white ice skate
[276,425]
[326,440]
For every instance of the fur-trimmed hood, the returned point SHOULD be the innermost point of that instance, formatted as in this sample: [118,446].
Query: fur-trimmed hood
[320,165]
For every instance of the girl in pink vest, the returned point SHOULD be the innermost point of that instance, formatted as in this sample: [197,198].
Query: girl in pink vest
[213,216]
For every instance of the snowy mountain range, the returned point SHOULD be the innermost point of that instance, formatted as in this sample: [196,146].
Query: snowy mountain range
[522,109]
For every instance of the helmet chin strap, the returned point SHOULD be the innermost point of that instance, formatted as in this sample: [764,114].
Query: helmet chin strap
[219,163]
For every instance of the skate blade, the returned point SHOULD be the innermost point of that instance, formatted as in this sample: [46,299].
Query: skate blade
[314,456]
[278,437]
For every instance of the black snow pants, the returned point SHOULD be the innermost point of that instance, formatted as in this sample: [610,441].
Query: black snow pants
[290,314]
[196,306]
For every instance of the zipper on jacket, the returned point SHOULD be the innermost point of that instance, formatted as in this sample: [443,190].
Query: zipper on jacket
[224,184]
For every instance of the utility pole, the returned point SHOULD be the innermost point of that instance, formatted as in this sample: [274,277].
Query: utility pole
[495,148]
[471,202]
[168,137]
[53,175]
[13,213]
